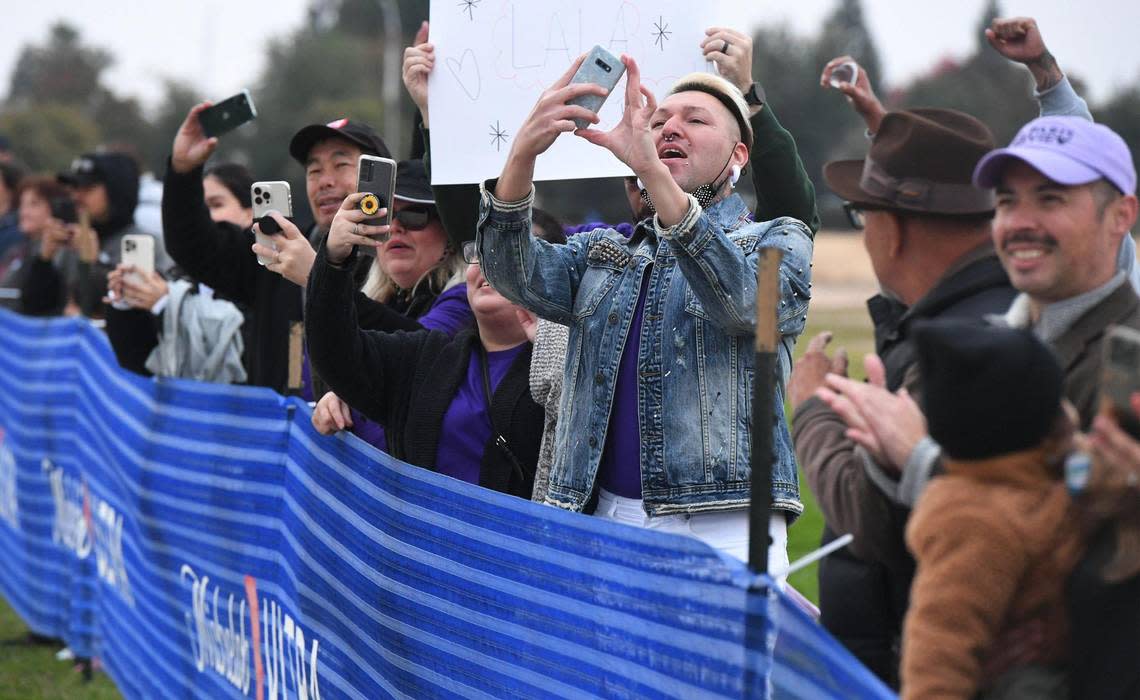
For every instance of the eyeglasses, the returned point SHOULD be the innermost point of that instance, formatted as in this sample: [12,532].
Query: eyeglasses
[854,214]
[414,218]
[470,253]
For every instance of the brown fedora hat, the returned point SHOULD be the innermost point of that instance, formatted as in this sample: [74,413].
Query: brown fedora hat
[921,160]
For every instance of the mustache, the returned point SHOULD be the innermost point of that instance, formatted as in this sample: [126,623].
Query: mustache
[1029,237]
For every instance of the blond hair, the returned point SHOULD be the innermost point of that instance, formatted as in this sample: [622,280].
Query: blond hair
[726,93]
[448,272]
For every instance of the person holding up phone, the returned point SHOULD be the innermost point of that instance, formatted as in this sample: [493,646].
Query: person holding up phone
[660,318]
[457,405]
[105,190]
[39,221]
[222,255]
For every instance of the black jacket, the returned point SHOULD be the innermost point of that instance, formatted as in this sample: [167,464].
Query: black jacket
[406,380]
[220,255]
[863,602]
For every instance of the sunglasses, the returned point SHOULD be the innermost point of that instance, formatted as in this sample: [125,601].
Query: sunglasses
[415,218]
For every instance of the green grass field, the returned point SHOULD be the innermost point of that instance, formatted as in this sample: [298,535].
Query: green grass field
[851,329]
[30,672]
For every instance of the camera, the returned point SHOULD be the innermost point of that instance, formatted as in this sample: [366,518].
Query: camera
[130,246]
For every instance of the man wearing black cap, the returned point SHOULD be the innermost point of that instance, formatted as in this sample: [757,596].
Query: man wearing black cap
[927,232]
[221,254]
[105,188]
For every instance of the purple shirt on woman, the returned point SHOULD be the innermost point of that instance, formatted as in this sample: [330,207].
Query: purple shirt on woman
[450,313]
[466,426]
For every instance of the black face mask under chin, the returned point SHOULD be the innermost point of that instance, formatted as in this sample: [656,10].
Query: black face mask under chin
[705,194]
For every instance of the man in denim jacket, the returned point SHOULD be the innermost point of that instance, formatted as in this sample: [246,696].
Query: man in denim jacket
[656,408]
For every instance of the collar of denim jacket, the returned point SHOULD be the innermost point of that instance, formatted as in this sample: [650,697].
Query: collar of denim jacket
[729,213]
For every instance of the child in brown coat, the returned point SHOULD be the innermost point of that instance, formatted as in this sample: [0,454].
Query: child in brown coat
[995,537]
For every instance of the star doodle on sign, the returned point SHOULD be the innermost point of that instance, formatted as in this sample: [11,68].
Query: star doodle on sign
[498,136]
[661,32]
[469,7]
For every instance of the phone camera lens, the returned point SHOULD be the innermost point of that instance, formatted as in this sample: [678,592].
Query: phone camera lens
[257,190]
[603,65]
[257,200]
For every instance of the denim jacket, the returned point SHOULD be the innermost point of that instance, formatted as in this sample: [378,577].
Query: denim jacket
[696,357]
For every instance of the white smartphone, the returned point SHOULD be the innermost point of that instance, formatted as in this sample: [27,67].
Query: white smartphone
[271,195]
[138,249]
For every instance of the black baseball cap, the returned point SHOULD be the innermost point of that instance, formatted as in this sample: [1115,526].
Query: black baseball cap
[412,183]
[358,133]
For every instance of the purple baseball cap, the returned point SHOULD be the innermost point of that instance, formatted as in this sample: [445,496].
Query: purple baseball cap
[1067,150]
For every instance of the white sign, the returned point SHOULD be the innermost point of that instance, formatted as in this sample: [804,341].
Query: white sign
[495,57]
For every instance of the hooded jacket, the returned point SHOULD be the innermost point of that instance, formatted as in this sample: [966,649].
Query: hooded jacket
[49,284]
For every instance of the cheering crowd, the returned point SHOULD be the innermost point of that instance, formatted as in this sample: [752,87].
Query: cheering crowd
[986,469]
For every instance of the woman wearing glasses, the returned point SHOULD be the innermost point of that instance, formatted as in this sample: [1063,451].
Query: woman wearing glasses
[460,406]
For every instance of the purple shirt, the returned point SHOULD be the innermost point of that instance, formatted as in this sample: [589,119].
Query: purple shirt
[466,428]
[449,313]
[619,470]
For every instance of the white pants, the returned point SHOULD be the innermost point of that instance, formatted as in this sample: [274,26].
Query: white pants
[725,530]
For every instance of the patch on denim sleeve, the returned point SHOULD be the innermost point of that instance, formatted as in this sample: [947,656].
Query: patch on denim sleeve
[607,252]
[747,242]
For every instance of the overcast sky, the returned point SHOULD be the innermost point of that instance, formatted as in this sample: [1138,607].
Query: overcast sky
[217,46]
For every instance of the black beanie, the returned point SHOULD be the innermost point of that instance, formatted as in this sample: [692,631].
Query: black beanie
[986,390]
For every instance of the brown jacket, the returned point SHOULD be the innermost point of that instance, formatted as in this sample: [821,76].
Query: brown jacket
[995,541]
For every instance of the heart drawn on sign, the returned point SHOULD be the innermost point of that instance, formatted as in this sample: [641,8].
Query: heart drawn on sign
[466,73]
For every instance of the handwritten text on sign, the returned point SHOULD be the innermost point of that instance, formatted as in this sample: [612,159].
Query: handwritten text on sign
[495,57]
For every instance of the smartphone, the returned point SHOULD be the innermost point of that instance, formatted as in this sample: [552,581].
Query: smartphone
[376,176]
[63,210]
[601,68]
[1120,375]
[228,114]
[137,249]
[272,195]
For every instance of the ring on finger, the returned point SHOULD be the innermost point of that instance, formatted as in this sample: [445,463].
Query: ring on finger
[724,50]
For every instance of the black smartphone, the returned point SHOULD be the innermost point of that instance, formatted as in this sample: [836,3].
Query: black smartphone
[63,209]
[377,177]
[228,114]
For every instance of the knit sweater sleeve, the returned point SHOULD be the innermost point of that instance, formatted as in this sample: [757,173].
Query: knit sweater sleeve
[369,370]
[970,561]
[783,187]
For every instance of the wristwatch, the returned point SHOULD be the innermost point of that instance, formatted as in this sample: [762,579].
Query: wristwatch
[755,95]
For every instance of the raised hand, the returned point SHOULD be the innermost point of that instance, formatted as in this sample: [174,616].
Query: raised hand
[348,229]
[809,371]
[419,61]
[632,139]
[291,256]
[142,290]
[731,51]
[550,118]
[192,148]
[859,93]
[1019,40]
